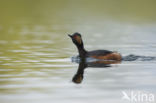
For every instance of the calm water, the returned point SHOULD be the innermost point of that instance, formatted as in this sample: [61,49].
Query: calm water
[35,51]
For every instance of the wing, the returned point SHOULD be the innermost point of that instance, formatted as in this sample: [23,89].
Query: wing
[99,52]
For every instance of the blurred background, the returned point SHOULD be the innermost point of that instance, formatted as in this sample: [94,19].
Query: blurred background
[35,51]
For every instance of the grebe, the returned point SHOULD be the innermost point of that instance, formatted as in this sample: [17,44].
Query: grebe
[97,54]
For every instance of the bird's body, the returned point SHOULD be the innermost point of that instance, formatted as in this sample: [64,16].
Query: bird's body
[104,54]
[97,54]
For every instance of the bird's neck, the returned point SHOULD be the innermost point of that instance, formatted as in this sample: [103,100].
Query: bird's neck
[82,51]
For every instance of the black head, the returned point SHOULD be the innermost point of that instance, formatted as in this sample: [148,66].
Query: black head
[76,38]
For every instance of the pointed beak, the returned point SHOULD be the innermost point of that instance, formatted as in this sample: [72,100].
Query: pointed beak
[70,35]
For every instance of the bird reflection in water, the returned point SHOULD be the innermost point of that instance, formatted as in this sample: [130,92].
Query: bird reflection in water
[83,64]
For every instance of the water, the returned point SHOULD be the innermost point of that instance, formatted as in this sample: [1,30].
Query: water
[35,51]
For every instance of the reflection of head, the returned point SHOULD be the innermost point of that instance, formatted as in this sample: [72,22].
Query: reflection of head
[78,78]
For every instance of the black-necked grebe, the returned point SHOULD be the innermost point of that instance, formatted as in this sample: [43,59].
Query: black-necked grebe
[97,54]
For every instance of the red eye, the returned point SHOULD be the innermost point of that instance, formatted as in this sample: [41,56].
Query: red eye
[77,38]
